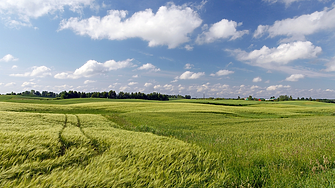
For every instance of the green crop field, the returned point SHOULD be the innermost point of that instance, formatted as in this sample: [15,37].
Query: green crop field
[177,143]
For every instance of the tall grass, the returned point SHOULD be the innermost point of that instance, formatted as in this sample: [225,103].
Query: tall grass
[86,151]
[229,144]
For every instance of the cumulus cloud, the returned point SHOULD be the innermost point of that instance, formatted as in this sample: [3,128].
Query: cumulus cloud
[89,81]
[190,75]
[221,30]
[113,85]
[188,47]
[283,54]
[150,67]
[14,66]
[10,84]
[170,26]
[261,29]
[8,58]
[135,76]
[28,84]
[92,68]
[330,65]
[132,83]
[123,88]
[254,87]
[295,77]
[222,73]
[188,66]
[168,87]
[41,71]
[275,87]
[157,86]
[19,13]
[147,84]
[257,79]
[303,25]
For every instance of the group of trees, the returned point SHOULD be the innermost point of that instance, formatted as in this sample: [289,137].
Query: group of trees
[288,98]
[34,93]
[180,96]
[110,95]
[113,95]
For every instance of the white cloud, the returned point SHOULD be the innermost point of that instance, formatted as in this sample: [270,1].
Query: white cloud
[283,54]
[286,2]
[113,85]
[89,81]
[221,30]
[303,25]
[222,73]
[168,87]
[8,58]
[188,47]
[157,86]
[19,12]
[295,77]
[10,84]
[257,79]
[201,5]
[147,84]
[132,83]
[135,76]
[62,87]
[275,87]
[170,26]
[28,84]
[92,68]
[123,88]
[261,29]
[150,67]
[191,75]
[166,58]
[330,65]
[14,66]
[188,66]
[254,87]
[41,71]
[180,87]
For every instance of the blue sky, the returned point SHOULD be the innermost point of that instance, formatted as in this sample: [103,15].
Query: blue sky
[220,48]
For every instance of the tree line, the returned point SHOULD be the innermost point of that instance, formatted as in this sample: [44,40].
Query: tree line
[110,95]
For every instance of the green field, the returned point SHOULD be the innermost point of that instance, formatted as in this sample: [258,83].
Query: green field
[178,143]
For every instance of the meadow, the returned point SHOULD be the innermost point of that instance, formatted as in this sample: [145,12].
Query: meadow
[177,143]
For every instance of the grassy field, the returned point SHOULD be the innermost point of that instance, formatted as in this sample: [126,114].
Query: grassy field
[179,143]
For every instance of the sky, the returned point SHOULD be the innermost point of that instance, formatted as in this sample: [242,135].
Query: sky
[216,48]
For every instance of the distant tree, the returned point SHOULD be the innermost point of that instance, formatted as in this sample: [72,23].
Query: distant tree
[112,94]
[83,95]
[94,95]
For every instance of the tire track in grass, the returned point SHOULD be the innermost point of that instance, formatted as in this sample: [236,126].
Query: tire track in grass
[63,160]
[99,147]
[62,139]
[45,167]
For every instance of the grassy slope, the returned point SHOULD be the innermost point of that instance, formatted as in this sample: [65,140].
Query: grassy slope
[56,150]
[261,143]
